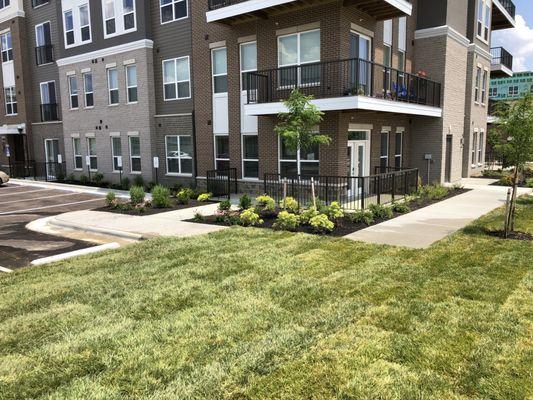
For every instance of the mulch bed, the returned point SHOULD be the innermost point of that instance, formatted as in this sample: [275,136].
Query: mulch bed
[512,235]
[343,226]
[153,211]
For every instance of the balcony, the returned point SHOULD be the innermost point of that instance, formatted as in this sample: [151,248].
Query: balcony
[44,54]
[234,11]
[49,112]
[344,85]
[501,64]
[503,14]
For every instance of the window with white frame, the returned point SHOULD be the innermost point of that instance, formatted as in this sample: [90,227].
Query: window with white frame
[10,96]
[178,154]
[300,162]
[493,92]
[222,152]
[384,151]
[176,79]
[85,23]
[294,52]
[4,3]
[484,86]
[219,63]
[248,62]
[76,151]
[513,90]
[131,83]
[402,46]
[88,89]
[480,148]
[474,147]
[110,24]
[477,83]
[119,17]
[387,55]
[116,152]
[73,92]
[43,36]
[92,153]
[135,154]
[250,156]
[112,85]
[68,22]
[173,10]
[76,22]
[398,154]
[483,19]
[7,46]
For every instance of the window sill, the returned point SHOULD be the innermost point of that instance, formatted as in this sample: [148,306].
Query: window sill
[178,99]
[88,108]
[113,105]
[178,174]
[132,103]
[174,20]
[135,172]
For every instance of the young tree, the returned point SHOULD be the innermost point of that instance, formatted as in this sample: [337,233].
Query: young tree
[516,125]
[297,127]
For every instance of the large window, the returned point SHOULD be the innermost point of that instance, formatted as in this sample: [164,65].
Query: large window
[112,85]
[119,17]
[135,154]
[483,19]
[68,19]
[76,150]
[250,156]
[480,148]
[7,47]
[91,152]
[85,23]
[73,92]
[484,86]
[77,24]
[222,152]
[384,151]
[179,155]
[109,17]
[43,43]
[172,10]
[474,147]
[116,151]
[220,70]
[4,3]
[88,89]
[294,52]
[478,82]
[10,95]
[300,162]
[131,83]
[176,79]
[248,62]
[398,154]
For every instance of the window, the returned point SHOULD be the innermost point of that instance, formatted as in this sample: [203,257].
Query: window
[474,147]
[176,79]
[112,84]
[250,156]
[4,3]
[493,92]
[116,153]
[387,54]
[480,148]
[10,95]
[73,91]
[88,89]
[513,90]
[85,23]
[294,163]
[398,155]
[484,87]
[48,101]
[483,19]
[128,14]
[172,10]
[478,81]
[179,154]
[76,150]
[135,154]
[109,17]
[126,21]
[69,27]
[220,70]
[91,152]
[384,151]
[221,152]
[7,47]
[248,62]
[131,83]
[77,24]
[296,50]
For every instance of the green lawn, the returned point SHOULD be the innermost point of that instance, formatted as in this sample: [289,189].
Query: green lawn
[255,314]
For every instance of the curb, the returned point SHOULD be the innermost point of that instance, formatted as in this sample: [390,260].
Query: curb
[102,231]
[77,253]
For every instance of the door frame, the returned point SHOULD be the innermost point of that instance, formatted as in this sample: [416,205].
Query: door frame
[50,172]
[366,143]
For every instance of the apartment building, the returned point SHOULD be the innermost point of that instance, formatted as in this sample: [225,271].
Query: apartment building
[113,84]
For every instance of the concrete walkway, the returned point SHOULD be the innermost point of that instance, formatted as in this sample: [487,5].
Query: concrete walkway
[421,228]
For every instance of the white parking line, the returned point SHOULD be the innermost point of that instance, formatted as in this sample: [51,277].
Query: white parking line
[47,207]
[23,192]
[40,198]
[6,270]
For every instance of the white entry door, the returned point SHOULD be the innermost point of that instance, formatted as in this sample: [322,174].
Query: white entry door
[51,148]
[358,159]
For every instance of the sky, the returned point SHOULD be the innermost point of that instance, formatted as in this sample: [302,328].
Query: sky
[518,41]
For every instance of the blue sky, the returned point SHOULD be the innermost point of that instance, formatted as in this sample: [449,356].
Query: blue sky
[519,41]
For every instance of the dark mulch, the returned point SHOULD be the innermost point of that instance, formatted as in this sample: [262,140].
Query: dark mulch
[511,235]
[343,226]
[153,210]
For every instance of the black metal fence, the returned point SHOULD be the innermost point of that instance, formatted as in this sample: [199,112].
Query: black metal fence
[351,192]
[49,112]
[43,171]
[352,77]
[222,183]
[501,56]
[509,7]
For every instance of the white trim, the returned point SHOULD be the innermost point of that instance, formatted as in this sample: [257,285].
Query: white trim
[12,15]
[243,8]
[502,68]
[172,115]
[172,5]
[176,81]
[110,51]
[444,30]
[474,48]
[360,127]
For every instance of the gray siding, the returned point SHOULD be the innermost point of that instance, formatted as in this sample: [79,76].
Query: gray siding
[431,13]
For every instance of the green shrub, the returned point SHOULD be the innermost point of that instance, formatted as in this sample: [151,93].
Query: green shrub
[380,211]
[71,178]
[432,192]
[400,208]
[334,211]
[245,202]
[110,199]
[184,195]
[250,218]
[290,204]
[137,195]
[506,180]
[198,217]
[529,182]
[494,174]
[308,214]
[265,203]
[161,197]
[125,183]
[98,178]
[224,205]
[202,198]
[361,217]
[84,179]
[138,180]
[321,224]
[287,221]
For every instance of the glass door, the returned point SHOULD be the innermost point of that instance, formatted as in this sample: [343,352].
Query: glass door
[51,147]
[360,66]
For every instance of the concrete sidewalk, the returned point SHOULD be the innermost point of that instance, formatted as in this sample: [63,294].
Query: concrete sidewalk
[421,228]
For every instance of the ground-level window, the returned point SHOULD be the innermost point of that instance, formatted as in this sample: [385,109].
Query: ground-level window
[76,149]
[10,95]
[384,153]
[179,154]
[250,156]
[398,155]
[474,148]
[135,154]
[480,148]
[73,91]
[112,84]
[222,152]
[116,151]
[91,152]
[300,162]
[131,83]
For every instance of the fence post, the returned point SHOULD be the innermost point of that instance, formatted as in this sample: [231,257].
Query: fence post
[265,183]
[378,178]
[393,185]
[327,190]
[362,193]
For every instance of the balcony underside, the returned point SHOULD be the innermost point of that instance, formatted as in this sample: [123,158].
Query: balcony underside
[502,18]
[238,11]
[500,71]
[351,103]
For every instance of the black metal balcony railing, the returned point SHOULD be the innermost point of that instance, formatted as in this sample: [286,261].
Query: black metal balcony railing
[352,77]
[509,7]
[44,54]
[216,4]
[49,112]
[501,56]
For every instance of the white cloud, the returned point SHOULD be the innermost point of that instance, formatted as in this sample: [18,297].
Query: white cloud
[519,42]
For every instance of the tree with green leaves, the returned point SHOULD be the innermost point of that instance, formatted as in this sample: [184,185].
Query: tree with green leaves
[515,124]
[297,127]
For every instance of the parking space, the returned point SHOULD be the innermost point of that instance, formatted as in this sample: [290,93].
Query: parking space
[20,205]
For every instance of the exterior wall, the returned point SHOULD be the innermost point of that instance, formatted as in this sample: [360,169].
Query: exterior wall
[40,133]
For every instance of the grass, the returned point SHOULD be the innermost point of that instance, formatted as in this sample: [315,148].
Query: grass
[256,314]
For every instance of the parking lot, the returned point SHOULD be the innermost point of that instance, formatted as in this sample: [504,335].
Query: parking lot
[20,205]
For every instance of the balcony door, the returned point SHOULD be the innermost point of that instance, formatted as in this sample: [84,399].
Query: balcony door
[43,42]
[48,101]
[51,149]
[360,66]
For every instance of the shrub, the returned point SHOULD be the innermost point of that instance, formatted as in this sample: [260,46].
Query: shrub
[245,202]
[231,219]
[198,217]
[380,211]
[361,217]
[334,211]
[110,199]
[400,208]
[60,176]
[494,174]
[125,183]
[136,195]
[287,221]
[184,195]
[432,192]
[250,218]
[307,214]
[224,205]
[290,204]
[161,197]
[529,182]
[321,224]
[71,178]
[98,178]
[204,197]
[506,180]
[265,203]
[84,179]
[138,180]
